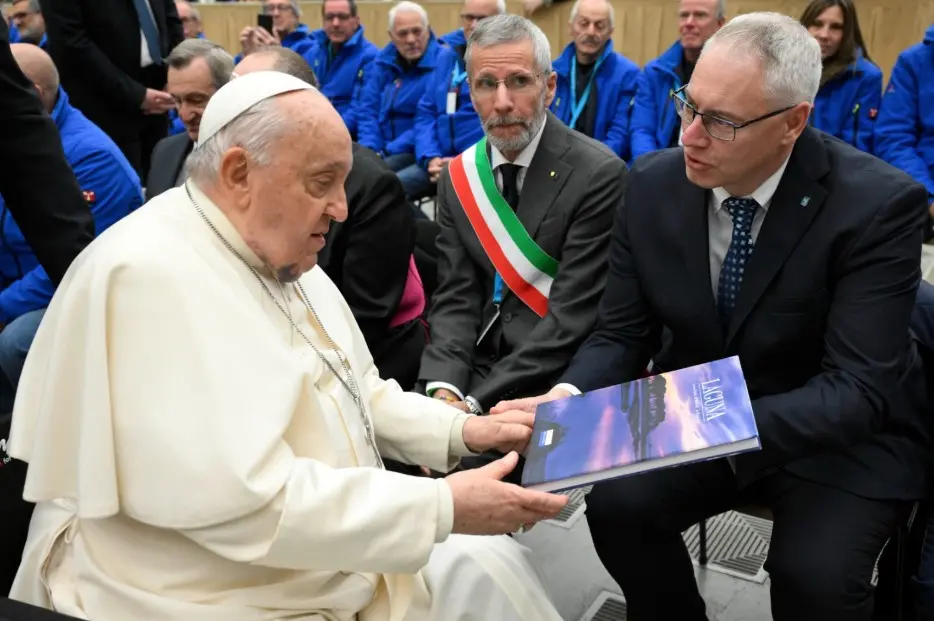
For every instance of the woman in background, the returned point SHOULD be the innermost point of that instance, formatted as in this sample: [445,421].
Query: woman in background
[851,85]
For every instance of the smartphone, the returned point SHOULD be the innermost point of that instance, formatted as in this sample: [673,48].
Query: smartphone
[264,21]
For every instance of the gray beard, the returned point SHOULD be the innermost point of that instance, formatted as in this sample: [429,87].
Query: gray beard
[520,142]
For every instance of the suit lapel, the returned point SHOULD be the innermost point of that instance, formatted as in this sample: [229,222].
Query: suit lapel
[546,176]
[796,201]
[690,203]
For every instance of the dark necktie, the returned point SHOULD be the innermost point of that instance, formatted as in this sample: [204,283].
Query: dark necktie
[742,210]
[150,32]
[510,173]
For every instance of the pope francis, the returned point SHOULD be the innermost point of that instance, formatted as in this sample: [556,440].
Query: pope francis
[204,426]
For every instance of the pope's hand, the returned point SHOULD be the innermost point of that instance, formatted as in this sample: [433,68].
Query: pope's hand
[484,505]
[529,404]
[507,432]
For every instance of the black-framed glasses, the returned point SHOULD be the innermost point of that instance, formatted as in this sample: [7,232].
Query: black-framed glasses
[718,128]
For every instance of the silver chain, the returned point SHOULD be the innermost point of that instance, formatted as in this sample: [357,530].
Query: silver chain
[350,384]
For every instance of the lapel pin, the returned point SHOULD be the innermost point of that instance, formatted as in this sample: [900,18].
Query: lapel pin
[805,201]
[552,173]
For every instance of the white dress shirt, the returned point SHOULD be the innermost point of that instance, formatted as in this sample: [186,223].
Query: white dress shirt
[497,159]
[720,229]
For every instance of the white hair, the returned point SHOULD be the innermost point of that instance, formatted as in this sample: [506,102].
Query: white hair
[790,56]
[255,131]
[407,7]
[509,28]
[576,8]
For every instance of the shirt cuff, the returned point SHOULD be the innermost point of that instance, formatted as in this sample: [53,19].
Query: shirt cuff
[433,386]
[571,388]
[456,445]
[445,511]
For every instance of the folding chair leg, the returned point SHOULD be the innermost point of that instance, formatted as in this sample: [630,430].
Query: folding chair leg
[702,536]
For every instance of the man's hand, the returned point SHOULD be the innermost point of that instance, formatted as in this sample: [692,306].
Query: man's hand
[530,403]
[484,505]
[506,432]
[435,166]
[254,37]
[157,102]
[931,209]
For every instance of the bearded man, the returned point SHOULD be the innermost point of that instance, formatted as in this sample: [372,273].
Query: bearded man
[220,453]
[525,217]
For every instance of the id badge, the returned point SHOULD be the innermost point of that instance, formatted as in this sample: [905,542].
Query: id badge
[452,102]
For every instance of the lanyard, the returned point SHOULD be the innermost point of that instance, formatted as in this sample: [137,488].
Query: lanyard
[498,287]
[457,77]
[577,107]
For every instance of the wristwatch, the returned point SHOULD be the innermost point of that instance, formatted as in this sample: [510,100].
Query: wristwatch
[473,405]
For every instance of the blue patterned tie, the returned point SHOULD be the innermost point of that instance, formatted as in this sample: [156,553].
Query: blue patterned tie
[150,32]
[742,210]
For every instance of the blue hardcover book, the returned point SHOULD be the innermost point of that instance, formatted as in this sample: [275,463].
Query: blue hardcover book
[693,414]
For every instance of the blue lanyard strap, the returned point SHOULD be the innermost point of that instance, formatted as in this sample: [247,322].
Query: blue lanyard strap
[457,77]
[577,107]
[498,288]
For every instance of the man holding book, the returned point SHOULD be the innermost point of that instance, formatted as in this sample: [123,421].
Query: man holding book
[525,216]
[766,239]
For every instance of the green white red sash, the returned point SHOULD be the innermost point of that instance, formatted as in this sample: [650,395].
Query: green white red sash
[526,269]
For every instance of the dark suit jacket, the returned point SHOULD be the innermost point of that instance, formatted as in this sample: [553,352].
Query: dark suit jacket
[167,160]
[96,46]
[367,256]
[572,187]
[820,325]
[36,181]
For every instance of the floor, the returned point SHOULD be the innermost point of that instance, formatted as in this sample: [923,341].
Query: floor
[583,591]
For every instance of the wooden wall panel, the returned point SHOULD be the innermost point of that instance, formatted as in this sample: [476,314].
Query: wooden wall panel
[644,28]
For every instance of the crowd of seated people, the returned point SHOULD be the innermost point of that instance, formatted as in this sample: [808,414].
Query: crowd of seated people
[597,130]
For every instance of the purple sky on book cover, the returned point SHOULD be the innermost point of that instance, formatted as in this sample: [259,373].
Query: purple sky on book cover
[677,413]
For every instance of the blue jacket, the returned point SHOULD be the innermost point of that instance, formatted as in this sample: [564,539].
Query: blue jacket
[395,94]
[110,185]
[176,126]
[342,77]
[454,38]
[437,133]
[654,119]
[299,41]
[846,106]
[14,34]
[905,128]
[616,85]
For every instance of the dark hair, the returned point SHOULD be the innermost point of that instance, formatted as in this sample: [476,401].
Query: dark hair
[290,62]
[850,45]
[352,3]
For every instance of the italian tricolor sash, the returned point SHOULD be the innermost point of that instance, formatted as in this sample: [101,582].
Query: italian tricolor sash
[525,268]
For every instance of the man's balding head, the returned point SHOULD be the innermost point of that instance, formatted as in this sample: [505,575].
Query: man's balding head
[281,59]
[38,67]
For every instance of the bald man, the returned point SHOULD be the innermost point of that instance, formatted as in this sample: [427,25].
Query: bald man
[111,189]
[220,455]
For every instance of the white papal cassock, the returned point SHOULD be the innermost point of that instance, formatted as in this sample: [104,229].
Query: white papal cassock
[195,460]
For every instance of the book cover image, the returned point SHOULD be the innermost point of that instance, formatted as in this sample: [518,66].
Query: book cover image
[665,415]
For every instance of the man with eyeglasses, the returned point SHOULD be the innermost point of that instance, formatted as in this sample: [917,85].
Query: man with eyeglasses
[595,84]
[525,216]
[446,122]
[341,57]
[765,238]
[654,122]
[288,30]
[26,17]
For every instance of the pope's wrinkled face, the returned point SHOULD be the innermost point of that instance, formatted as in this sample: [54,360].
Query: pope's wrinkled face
[288,203]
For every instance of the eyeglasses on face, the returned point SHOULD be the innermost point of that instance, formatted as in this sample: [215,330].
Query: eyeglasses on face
[717,127]
[485,85]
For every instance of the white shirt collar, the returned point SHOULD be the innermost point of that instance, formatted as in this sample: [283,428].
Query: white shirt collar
[524,159]
[762,195]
